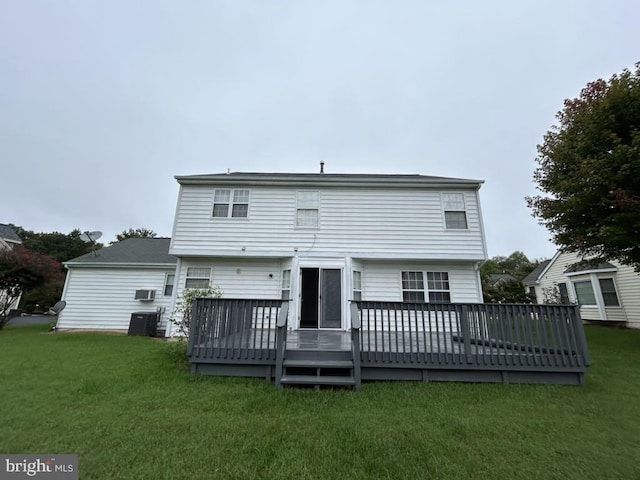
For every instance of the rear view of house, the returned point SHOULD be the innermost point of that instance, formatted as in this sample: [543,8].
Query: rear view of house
[328,279]
[321,240]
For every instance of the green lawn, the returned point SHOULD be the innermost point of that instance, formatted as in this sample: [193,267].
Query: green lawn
[129,409]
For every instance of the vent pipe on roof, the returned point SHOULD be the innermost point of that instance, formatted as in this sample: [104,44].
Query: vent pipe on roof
[321,166]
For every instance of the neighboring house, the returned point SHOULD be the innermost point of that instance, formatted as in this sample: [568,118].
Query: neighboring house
[532,282]
[8,240]
[104,288]
[496,279]
[605,291]
[322,240]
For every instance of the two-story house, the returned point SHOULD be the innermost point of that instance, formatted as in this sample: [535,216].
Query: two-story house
[321,240]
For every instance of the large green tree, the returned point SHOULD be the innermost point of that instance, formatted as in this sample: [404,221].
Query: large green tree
[589,171]
[506,290]
[60,246]
[21,270]
[141,232]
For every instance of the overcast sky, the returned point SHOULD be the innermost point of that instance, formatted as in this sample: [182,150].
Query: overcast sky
[102,103]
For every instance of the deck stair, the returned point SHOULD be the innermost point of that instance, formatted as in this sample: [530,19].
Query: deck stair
[318,368]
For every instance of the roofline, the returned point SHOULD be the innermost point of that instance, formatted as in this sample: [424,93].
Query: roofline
[317,180]
[544,270]
[119,264]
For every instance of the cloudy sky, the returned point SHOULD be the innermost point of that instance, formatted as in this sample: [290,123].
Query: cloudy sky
[102,103]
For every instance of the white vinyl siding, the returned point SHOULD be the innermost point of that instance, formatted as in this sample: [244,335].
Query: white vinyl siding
[387,223]
[241,278]
[383,281]
[103,298]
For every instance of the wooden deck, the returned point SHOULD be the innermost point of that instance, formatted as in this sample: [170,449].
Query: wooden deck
[392,341]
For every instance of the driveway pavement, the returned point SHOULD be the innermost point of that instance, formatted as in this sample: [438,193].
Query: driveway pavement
[31,320]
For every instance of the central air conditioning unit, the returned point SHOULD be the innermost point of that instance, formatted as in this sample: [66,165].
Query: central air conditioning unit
[145,295]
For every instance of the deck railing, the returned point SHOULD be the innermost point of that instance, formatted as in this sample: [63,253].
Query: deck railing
[522,336]
[234,329]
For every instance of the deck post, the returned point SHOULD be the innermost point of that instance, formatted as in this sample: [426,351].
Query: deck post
[466,333]
[281,341]
[355,345]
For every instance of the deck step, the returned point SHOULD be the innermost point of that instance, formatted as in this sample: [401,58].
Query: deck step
[316,380]
[302,363]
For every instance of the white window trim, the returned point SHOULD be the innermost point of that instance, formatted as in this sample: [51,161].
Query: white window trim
[443,210]
[173,285]
[230,211]
[425,281]
[187,277]
[295,217]
[353,286]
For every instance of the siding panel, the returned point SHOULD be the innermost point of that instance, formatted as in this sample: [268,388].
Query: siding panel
[375,221]
[103,298]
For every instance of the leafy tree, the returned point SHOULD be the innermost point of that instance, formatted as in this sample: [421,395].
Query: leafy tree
[507,291]
[135,233]
[21,270]
[61,247]
[589,167]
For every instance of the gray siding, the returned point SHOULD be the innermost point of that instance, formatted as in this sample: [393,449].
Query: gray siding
[404,223]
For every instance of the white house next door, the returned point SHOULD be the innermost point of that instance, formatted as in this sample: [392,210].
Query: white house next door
[320,298]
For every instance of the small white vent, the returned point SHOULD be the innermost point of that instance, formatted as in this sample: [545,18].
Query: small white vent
[145,295]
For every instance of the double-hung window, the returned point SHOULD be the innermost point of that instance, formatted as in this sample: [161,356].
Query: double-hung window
[286,285]
[584,292]
[609,295]
[230,203]
[412,287]
[438,285]
[307,209]
[198,277]
[455,214]
[169,280]
[357,285]
[438,289]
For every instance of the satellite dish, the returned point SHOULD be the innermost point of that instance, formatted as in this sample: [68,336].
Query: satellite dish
[90,237]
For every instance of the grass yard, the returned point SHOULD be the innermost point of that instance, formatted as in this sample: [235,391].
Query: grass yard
[131,410]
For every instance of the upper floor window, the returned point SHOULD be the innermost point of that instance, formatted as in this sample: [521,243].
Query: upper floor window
[307,209]
[455,214]
[198,277]
[438,289]
[357,285]
[231,203]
